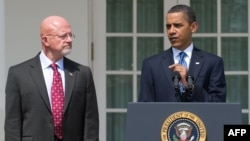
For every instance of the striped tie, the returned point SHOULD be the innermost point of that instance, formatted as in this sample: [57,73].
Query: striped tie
[183,63]
[182,59]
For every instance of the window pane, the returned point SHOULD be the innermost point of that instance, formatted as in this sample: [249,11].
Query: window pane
[237,92]
[206,44]
[150,16]
[147,46]
[206,15]
[119,15]
[234,52]
[119,53]
[234,16]
[245,118]
[115,126]
[119,90]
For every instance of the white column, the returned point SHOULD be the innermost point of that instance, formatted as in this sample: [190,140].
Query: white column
[2,69]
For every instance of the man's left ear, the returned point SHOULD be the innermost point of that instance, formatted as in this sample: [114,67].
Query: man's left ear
[194,27]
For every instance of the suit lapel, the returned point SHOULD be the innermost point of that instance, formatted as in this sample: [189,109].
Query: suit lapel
[196,63]
[167,60]
[194,67]
[37,76]
[70,76]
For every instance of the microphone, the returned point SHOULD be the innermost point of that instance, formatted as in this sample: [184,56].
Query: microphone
[190,81]
[176,79]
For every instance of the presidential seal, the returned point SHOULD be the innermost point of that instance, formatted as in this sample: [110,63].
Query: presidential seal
[183,126]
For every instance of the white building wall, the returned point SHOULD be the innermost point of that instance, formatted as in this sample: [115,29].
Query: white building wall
[2,68]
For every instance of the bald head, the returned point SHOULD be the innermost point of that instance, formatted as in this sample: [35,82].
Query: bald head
[56,37]
[52,24]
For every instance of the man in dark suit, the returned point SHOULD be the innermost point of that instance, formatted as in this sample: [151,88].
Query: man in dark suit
[29,114]
[201,76]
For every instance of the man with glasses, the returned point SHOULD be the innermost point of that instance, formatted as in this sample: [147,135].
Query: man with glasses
[50,97]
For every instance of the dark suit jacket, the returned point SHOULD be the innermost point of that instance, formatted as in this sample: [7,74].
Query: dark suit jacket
[28,112]
[156,84]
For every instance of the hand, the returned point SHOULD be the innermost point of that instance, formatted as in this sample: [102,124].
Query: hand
[182,70]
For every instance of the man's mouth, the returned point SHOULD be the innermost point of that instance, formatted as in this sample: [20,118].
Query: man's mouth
[173,39]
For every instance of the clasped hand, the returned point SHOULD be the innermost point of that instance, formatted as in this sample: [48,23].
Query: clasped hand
[182,70]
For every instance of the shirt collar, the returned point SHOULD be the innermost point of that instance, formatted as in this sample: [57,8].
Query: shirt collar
[188,51]
[46,62]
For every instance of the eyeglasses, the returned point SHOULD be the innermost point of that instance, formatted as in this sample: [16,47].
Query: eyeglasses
[65,36]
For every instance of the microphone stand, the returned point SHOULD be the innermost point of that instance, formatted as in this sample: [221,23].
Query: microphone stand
[188,90]
[176,80]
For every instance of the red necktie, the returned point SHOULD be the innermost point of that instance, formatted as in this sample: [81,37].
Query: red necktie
[57,96]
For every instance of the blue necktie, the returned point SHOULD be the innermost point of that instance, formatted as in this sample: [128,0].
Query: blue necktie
[183,63]
[182,59]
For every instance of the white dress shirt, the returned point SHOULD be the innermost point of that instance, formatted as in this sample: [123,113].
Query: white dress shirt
[48,72]
[188,51]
